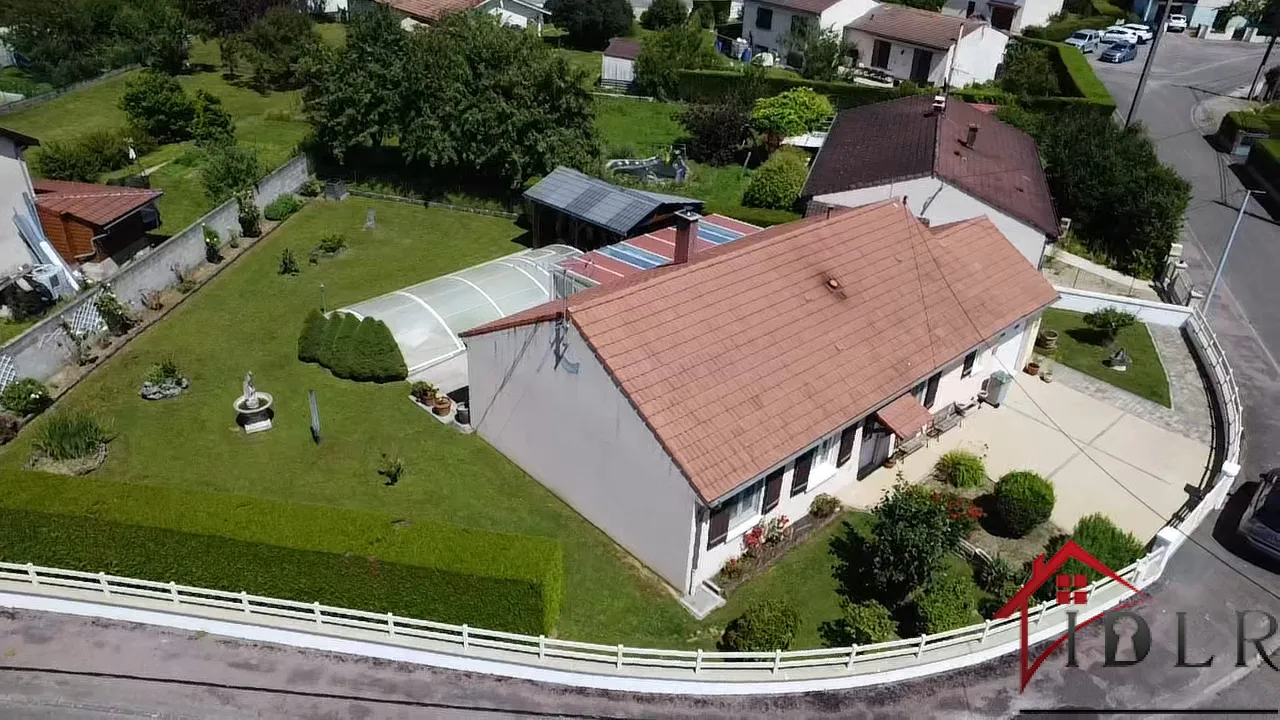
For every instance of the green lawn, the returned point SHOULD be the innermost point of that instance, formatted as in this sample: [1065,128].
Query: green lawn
[1080,348]
[10,329]
[271,124]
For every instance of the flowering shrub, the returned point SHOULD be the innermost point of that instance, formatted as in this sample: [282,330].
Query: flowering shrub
[961,511]
[754,538]
[733,569]
[776,530]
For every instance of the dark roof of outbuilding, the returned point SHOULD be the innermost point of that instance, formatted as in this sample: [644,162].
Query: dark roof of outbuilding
[624,48]
[616,209]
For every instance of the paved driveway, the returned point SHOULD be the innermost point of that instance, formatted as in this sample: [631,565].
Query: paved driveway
[1099,457]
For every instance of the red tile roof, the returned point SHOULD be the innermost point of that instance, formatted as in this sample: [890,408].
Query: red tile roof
[625,48]
[905,416]
[98,205]
[903,139]
[745,355]
[917,27]
[430,10]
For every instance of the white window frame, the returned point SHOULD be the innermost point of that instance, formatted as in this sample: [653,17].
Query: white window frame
[823,467]
[742,526]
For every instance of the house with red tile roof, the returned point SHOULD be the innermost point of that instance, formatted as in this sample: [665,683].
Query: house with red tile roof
[767,24]
[679,407]
[926,47]
[950,163]
[513,13]
[89,223]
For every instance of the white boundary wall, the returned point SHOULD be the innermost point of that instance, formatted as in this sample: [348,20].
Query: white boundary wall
[612,667]
[1147,311]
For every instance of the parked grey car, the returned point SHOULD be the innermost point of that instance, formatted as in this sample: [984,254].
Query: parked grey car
[1084,40]
[1261,524]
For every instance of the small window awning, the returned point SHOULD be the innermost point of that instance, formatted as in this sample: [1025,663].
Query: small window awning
[906,417]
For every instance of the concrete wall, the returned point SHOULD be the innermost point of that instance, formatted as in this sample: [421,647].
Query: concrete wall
[1148,311]
[617,72]
[941,203]
[15,184]
[44,349]
[573,430]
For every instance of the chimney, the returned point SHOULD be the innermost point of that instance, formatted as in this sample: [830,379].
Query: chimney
[686,231]
[972,136]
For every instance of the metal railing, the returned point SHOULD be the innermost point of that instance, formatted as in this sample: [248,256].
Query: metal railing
[1224,387]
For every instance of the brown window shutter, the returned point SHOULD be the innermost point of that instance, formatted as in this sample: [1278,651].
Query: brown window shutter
[846,445]
[719,529]
[800,481]
[772,489]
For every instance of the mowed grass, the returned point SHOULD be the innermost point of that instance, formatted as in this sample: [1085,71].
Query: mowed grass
[270,123]
[248,319]
[1080,347]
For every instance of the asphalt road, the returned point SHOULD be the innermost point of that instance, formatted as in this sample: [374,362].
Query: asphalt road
[63,667]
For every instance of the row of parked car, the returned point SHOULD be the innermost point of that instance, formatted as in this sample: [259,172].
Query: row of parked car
[1122,40]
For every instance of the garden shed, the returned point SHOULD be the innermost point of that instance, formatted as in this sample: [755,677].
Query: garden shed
[618,65]
[425,319]
[569,207]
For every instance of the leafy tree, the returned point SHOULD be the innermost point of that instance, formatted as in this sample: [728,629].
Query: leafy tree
[353,99]
[590,24]
[223,18]
[229,170]
[1109,321]
[156,104]
[1028,71]
[278,45]
[777,183]
[817,51]
[712,12]
[717,131]
[766,626]
[664,55]
[911,538]
[1260,13]
[793,112]
[663,14]
[159,32]
[482,100]
[212,124]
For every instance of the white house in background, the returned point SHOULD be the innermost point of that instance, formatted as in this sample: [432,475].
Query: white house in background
[926,47]
[1011,15]
[514,13]
[766,24]
[681,406]
[7,57]
[618,65]
[951,164]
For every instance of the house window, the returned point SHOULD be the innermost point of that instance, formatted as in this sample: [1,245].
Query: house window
[800,478]
[968,364]
[734,513]
[931,390]
[764,19]
[880,55]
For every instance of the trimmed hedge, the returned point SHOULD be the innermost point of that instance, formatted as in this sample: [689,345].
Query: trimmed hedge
[1075,77]
[309,553]
[1061,30]
[351,348]
[1264,158]
[776,184]
[1023,501]
[709,86]
[1239,120]
[765,626]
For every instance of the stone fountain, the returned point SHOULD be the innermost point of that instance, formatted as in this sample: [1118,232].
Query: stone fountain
[253,408]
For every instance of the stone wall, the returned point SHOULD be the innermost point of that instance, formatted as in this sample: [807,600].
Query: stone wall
[286,179]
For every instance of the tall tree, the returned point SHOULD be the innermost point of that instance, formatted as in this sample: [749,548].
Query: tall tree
[590,24]
[353,97]
[664,55]
[663,14]
[279,46]
[816,51]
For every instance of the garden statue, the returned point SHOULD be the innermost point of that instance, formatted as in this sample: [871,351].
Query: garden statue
[1119,360]
[253,408]
[370,223]
[250,394]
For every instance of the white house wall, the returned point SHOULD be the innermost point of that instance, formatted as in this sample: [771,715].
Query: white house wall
[515,14]
[1032,12]
[617,72]
[14,183]
[577,434]
[773,39]
[901,55]
[941,203]
[978,54]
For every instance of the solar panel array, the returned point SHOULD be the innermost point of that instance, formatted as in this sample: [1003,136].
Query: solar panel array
[614,208]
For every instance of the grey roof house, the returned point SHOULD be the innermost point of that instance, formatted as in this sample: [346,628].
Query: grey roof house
[575,209]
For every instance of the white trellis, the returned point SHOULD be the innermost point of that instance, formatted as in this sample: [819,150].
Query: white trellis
[86,320]
[8,371]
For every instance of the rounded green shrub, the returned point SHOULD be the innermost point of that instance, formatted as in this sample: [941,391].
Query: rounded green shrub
[282,207]
[868,622]
[313,331]
[71,435]
[776,184]
[948,602]
[25,396]
[962,469]
[999,577]
[765,626]
[1113,547]
[1023,501]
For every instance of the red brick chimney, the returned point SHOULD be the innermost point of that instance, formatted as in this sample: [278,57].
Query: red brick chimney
[686,231]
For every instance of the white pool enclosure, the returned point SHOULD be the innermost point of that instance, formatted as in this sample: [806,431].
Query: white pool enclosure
[426,318]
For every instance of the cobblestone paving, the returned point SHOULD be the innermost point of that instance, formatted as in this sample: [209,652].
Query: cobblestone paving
[1190,414]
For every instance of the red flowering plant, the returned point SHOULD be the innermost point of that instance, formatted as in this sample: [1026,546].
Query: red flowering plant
[961,510]
[753,540]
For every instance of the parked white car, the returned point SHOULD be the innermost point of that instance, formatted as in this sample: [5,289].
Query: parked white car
[1177,23]
[1086,41]
[1119,34]
[1143,32]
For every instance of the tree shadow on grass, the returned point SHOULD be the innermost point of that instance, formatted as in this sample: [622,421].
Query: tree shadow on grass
[990,522]
[852,573]
[1088,336]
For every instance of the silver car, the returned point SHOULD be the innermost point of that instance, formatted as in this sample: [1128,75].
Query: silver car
[1086,41]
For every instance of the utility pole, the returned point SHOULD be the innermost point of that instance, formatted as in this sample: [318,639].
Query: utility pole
[1222,262]
[1146,66]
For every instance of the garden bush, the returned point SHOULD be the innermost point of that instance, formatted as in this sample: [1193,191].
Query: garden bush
[1023,501]
[776,185]
[25,396]
[311,188]
[166,370]
[288,263]
[156,104]
[308,553]
[249,217]
[1098,536]
[961,469]
[999,577]
[230,170]
[1109,321]
[282,207]
[946,603]
[766,626]
[867,622]
[793,112]
[211,124]
[716,132]
[913,533]
[824,506]
[313,332]
[351,348]
[119,319]
[69,435]
[332,243]
[85,158]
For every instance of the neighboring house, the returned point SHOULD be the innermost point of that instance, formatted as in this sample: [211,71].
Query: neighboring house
[926,47]
[7,56]
[950,164]
[514,13]
[575,209]
[96,224]
[1011,15]
[677,408]
[618,66]
[766,25]
[23,246]
[1203,12]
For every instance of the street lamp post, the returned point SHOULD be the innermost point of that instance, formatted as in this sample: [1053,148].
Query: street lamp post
[1222,262]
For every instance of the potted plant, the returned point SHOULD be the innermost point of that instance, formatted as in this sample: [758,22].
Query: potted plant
[1032,368]
[441,404]
[891,460]
[423,393]
[1048,339]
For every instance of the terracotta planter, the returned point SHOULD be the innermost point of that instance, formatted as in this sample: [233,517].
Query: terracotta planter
[1032,369]
[890,462]
[1048,339]
[441,405]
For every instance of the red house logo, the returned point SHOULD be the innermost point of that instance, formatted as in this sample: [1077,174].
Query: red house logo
[1072,589]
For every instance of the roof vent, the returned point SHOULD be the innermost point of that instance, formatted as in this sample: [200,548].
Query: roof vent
[833,284]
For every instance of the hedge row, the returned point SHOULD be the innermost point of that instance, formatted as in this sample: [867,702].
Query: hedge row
[1260,122]
[704,86]
[1264,158]
[310,553]
[1075,76]
[1061,30]
[352,349]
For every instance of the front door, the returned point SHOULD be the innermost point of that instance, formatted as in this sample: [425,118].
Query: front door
[921,62]
[875,447]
